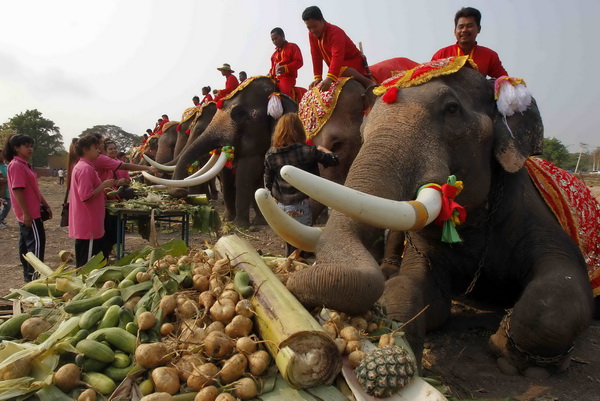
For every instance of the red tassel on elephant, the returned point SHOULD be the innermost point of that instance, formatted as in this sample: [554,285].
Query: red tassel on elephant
[390,95]
[178,128]
[188,131]
[220,104]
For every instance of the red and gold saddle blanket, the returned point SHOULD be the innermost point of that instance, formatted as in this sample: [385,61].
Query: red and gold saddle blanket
[316,107]
[575,208]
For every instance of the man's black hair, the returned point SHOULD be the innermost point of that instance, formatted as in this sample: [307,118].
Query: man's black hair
[195,98]
[85,143]
[312,12]
[468,12]
[14,142]
[278,31]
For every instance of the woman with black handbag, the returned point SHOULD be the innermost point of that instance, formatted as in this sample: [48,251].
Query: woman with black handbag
[29,205]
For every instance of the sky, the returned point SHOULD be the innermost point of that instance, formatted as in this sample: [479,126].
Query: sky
[125,63]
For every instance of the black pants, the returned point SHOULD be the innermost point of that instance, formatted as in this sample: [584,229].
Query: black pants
[82,250]
[31,239]
[110,234]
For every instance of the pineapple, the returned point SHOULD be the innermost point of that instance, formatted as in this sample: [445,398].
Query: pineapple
[385,371]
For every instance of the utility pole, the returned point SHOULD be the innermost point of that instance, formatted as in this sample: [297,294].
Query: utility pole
[582,146]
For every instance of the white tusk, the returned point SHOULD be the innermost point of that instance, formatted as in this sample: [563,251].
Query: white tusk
[369,209]
[211,162]
[158,165]
[216,169]
[292,231]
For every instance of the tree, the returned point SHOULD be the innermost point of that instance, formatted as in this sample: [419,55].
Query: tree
[46,135]
[555,152]
[122,138]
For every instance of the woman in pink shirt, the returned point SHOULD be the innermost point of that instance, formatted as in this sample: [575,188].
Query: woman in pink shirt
[26,199]
[87,199]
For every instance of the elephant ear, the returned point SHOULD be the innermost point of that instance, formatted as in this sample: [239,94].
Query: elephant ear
[517,137]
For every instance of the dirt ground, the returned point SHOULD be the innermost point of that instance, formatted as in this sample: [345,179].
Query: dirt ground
[457,354]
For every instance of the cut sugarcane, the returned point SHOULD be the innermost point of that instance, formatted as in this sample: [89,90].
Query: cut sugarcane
[304,354]
[38,265]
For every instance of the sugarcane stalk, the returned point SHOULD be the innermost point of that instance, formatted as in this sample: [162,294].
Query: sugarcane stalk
[304,354]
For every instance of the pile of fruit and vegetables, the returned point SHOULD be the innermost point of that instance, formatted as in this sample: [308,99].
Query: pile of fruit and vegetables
[168,323]
[149,198]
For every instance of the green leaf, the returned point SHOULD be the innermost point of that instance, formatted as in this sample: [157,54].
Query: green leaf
[128,292]
[94,263]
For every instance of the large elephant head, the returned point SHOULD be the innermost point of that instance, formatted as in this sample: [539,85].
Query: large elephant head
[447,126]
[242,121]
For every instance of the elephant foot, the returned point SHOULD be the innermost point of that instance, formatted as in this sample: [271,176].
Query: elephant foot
[228,216]
[240,222]
[259,221]
[513,360]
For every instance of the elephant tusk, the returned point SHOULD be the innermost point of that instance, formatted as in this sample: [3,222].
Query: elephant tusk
[292,231]
[368,209]
[201,179]
[158,165]
[211,162]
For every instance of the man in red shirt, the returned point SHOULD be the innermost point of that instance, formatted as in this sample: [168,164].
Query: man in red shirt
[330,43]
[467,25]
[285,62]
[231,82]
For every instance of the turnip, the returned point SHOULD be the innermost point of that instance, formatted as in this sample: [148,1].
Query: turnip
[186,365]
[230,294]
[132,302]
[151,355]
[359,323]
[33,327]
[109,284]
[202,376]
[349,333]
[67,377]
[331,329]
[215,326]
[206,299]
[355,357]
[168,303]
[258,362]
[225,397]
[165,380]
[158,397]
[208,393]
[221,266]
[244,307]
[193,335]
[142,277]
[340,343]
[240,326]
[166,329]
[223,310]
[245,345]
[352,346]
[187,309]
[146,320]
[233,368]
[200,282]
[245,389]
[218,345]
[87,395]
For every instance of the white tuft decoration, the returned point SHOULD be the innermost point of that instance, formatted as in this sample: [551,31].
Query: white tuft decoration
[512,96]
[275,107]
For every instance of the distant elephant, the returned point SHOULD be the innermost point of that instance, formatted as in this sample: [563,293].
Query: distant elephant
[241,122]
[513,248]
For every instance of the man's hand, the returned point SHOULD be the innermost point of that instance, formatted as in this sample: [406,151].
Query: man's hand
[280,70]
[49,209]
[325,85]
[122,181]
[154,171]
[108,183]
[314,83]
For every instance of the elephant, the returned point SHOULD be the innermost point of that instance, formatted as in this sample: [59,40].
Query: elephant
[242,122]
[513,249]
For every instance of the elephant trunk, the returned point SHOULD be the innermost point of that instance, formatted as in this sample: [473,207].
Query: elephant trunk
[208,142]
[345,276]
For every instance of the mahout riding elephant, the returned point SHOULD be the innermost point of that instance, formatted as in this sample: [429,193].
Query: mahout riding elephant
[243,123]
[513,248]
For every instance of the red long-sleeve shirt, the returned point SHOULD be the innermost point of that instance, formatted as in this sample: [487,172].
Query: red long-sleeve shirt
[231,83]
[487,60]
[337,50]
[288,56]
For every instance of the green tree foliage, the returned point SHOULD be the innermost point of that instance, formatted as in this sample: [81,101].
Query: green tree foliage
[46,135]
[122,138]
[556,152]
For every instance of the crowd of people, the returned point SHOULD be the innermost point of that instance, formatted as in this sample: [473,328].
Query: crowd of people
[94,170]
[96,165]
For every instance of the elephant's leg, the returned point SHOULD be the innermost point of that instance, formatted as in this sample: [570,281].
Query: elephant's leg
[407,294]
[228,189]
[249,175]
[392,254]
[555,307]
[212,190]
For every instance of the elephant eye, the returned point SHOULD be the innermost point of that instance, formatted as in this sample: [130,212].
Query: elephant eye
[452,108]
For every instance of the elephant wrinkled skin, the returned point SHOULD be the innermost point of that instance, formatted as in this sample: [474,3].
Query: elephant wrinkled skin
[450,125]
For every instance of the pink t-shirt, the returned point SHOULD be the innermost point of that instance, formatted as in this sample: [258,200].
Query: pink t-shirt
[122,174]
[106,167]
[20,175]
[86,216]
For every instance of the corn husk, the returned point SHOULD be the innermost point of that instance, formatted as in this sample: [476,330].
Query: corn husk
[304,354]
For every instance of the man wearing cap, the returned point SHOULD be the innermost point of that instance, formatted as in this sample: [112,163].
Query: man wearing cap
[330,43]
[285,62]
[467,25]
[231,82]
